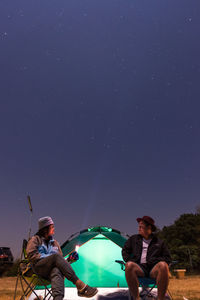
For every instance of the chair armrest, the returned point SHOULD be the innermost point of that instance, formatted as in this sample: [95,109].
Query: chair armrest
[122,264]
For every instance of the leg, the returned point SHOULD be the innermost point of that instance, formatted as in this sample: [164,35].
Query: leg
[57,284]
[132,272]
[45,265]
[67,271]
[161,273]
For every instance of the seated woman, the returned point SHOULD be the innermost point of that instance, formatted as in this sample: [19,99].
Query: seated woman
[46,255]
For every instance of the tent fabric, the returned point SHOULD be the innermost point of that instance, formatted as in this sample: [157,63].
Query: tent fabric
[115,238]
[87,234]
[99,248]
[69,246]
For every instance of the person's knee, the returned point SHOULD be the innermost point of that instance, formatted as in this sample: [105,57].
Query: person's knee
[130,267]
[162,268]
[55,257]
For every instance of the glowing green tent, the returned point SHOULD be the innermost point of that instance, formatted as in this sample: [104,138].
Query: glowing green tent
[99,247]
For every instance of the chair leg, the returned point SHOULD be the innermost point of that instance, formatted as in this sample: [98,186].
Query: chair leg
[29,286]
[15,294]
[146,292]
[28,289]
[47,292]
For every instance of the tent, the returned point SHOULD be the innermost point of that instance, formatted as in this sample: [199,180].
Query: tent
[99,247]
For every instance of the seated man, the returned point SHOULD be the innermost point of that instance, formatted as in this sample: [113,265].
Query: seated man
[46,255]
[146,256]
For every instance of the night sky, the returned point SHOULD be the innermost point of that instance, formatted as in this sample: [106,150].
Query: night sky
[99,113]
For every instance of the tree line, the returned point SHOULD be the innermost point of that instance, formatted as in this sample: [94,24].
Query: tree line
[183,241]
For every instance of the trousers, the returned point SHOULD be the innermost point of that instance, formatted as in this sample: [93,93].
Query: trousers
[54,268]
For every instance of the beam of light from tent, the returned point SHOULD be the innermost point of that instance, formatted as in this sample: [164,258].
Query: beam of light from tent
[102,166]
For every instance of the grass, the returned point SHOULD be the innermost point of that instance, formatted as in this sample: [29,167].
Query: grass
[7,288]
[189,287]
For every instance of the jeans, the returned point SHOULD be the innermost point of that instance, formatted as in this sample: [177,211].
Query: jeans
[55,268]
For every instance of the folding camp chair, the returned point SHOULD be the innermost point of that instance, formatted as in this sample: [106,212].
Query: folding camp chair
[29,279]
[147,285]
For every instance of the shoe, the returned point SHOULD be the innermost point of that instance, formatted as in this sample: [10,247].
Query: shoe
[87,291]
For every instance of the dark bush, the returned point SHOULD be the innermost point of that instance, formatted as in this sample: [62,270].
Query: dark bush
[12,271]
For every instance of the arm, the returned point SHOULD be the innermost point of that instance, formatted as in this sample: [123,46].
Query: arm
[166,254]
[58,246]
[60,251]
[162,254]
[32,249]
[127,251]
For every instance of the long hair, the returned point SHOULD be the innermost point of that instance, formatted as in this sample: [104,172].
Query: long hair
[42,232]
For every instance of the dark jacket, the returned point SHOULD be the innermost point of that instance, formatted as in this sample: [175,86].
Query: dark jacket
[157,250]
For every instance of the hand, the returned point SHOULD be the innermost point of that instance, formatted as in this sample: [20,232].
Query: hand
[73,257]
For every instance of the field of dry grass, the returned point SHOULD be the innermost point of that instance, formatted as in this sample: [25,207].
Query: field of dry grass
[189,287]
[7,288]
